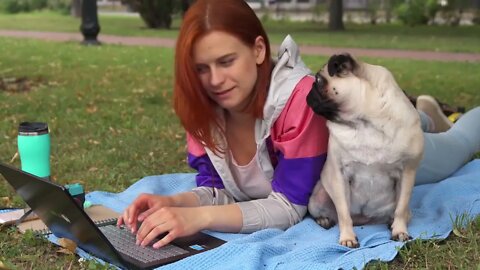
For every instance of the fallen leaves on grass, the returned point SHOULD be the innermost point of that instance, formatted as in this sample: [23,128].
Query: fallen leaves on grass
[67,246]
[5,201]
[20,84]
[14,157]
[93,142]
[457,232]
[2,266]
[92,109]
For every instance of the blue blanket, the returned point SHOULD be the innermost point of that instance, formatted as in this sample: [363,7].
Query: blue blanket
[307,245]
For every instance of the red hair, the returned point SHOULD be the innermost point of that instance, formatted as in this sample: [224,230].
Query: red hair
[197,112]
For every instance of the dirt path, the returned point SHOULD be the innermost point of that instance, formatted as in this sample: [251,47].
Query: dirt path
[305,49]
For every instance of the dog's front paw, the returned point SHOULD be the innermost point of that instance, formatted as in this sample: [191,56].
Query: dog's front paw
[325,222]
[402,237]
[351,243]
[399,229]
[348,237]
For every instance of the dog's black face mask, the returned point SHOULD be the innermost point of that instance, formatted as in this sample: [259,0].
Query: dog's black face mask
[317,99]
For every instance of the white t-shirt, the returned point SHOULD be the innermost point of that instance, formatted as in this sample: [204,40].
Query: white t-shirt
[250,178]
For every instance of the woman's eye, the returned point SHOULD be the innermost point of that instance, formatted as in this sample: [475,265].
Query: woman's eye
[202,70]
[226,62]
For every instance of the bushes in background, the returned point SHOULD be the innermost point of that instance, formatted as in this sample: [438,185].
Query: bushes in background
[417,12]
[155,13]
[17,6]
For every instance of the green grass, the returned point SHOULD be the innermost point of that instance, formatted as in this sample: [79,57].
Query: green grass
[390,36]
[110,117]
[386,36]
[92,98]
[461,250]
[111,123]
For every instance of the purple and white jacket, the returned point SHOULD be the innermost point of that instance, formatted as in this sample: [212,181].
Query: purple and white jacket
[291,151]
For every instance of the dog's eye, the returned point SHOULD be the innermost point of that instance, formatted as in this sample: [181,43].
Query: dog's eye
[342,74]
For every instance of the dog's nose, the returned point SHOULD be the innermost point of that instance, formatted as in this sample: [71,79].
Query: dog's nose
[339,63]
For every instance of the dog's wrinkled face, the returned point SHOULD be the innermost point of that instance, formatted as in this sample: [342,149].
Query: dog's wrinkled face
[337,88]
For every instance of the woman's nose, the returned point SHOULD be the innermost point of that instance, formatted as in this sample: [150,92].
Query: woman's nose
[216,77]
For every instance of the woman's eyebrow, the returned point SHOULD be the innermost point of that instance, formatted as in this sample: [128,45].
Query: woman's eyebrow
[226,56]
[223,57]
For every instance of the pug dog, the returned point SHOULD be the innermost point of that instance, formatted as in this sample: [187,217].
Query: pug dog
[375,146]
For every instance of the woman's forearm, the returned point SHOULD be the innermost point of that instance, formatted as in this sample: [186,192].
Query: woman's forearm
[222,218]
[185,199]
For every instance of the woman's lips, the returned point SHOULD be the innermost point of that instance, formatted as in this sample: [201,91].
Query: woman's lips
[224,93]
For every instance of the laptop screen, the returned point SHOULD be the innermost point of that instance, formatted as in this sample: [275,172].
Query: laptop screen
[59,211]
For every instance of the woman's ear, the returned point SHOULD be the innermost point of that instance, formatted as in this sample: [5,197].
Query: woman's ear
[259,50]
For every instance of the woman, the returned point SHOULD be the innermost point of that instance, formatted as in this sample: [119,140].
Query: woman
[257,147]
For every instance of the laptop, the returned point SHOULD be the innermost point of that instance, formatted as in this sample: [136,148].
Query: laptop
[66,219]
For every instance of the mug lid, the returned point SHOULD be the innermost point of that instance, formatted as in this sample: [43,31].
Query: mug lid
[33,127]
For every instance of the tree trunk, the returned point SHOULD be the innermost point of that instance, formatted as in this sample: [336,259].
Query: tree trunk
[335,20]
[388,10]
[76,9]
[185,4]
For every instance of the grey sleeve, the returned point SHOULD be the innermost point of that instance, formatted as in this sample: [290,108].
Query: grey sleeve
[273,212]
[276,211]
[205,196]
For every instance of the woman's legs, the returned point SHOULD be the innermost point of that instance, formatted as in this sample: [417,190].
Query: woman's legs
[446,152]
[437,121]
[426,122]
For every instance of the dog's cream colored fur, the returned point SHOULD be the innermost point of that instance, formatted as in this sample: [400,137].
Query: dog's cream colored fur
[375,147]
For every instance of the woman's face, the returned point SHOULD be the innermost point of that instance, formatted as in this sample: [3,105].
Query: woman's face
[227,68]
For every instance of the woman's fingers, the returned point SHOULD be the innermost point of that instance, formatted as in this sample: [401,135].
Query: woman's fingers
[130,215]
[167,223]
[142,216]
[123,218]
[165,240]
[164,224]
[142,207]
[120,220]
[129,218]
[148,232]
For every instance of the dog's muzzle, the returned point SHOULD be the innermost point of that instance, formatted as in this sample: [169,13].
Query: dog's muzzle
[318,100]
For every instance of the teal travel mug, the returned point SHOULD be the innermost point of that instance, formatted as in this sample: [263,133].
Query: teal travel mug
[34,148]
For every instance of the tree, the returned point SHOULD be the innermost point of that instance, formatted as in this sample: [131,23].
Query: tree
[335,19]
[184,5]
[76,9]
[155,13]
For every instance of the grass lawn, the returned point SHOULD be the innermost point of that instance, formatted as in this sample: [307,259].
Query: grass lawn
[109,111]
[392,36]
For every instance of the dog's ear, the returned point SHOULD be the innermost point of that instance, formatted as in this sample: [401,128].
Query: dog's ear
[338,64]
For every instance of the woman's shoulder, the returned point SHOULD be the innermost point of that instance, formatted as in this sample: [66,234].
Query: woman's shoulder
[298,99]
[298,131]
[296,112]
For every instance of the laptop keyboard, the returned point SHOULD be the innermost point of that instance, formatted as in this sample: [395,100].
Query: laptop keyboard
[124,241]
